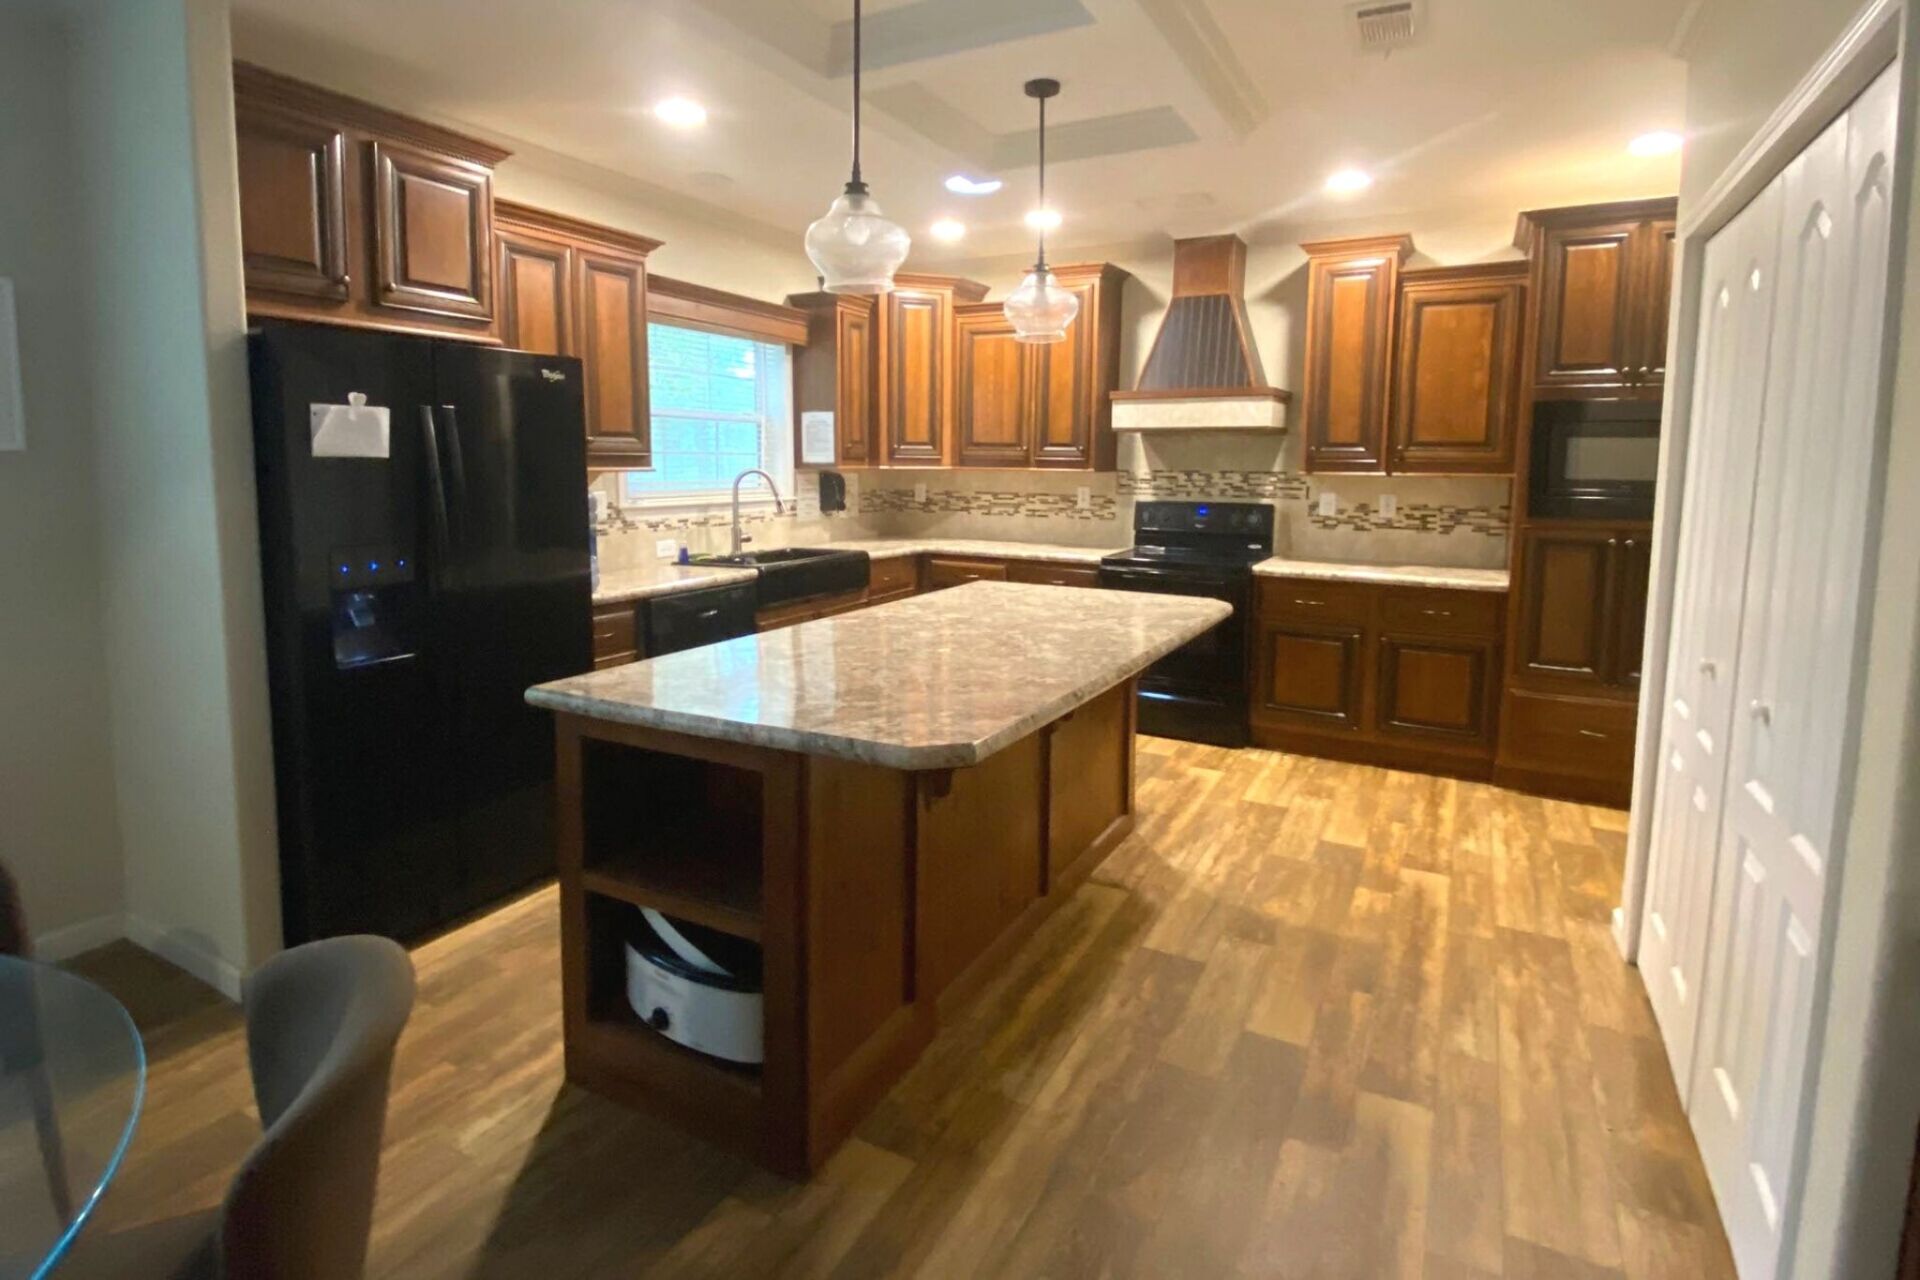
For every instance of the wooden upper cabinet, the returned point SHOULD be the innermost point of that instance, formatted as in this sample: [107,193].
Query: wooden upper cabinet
[353,214]
[293,202]
[1601,277]
[834,372]
[536,291]
[913,367]
[1352,286]
[432,233]
[1456,386]
[1076,377]
[575,288]
[996,389]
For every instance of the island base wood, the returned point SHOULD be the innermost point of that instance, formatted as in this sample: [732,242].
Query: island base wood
[882,901]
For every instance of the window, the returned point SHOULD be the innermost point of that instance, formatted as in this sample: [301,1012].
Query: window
[721,404]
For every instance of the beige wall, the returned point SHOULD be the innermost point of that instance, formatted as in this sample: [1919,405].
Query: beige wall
[173,494]
[1743,58]
[58,827]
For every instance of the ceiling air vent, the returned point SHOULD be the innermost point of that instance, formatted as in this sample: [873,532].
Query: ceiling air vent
[1382,26]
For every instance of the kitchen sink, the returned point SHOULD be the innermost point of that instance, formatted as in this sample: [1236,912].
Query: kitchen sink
[795,573]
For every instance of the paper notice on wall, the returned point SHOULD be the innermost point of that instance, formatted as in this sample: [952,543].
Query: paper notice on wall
[816,439]
[355,429]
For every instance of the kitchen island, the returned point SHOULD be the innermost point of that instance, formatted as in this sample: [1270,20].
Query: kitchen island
[887,802]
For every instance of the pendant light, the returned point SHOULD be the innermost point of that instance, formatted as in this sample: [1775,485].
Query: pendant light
[1040,310]
[854,247]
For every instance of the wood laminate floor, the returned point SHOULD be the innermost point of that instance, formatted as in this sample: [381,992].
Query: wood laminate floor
[1312,1020]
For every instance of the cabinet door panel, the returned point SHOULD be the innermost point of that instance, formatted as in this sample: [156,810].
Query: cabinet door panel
[1632,568]
[1657,288]
[1063,432]
[1435,687]
[1312,675]
[915,386]
[432,233]
[1456,389]
[854,425]
[1350,306]
[993,417]
[293,211]
[1564,585]
[1586,336]
[611,297]
[536,293]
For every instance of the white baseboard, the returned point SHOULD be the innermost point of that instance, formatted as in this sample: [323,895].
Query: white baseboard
[185,951]
[68,941]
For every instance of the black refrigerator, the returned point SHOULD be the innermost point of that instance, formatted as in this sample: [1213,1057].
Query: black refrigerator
[417,581]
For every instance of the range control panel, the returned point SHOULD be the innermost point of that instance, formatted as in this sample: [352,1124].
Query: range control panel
[1241,519]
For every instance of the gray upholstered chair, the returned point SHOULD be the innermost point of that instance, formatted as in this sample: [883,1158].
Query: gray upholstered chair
[322,1020]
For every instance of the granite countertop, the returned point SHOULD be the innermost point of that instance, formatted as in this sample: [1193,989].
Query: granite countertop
[1412,575]
[662,577]
[935,681]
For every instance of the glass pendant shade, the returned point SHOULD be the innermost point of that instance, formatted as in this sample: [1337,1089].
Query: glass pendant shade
[855,248]
[1040,310]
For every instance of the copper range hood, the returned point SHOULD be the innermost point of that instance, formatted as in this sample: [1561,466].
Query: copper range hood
[1203,373]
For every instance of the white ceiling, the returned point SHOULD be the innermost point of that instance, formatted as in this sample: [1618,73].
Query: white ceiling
[1177,117]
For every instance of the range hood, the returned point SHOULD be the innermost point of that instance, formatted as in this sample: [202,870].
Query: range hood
[1203,373]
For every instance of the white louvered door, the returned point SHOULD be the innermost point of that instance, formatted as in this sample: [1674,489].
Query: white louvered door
[1793,682]
[1735,324]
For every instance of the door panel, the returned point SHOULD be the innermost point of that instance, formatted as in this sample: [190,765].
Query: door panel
[1434,688]
[1632,568]
[1655,300]
[1063,411]
[1312,674]
[854,352]
[1456,393]
[1350,303]
[610,294]
[1587,286]
[1800,648]
[536,293]
[1563,600]
[914,384]
[993,421]
[1738,285]
[432,233]
[293,218]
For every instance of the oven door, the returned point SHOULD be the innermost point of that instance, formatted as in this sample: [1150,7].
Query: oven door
[1199,691]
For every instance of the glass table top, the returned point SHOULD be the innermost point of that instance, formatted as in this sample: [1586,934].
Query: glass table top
[72,1075]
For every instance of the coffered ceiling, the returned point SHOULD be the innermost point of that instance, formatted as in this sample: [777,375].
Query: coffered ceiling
[1177,116]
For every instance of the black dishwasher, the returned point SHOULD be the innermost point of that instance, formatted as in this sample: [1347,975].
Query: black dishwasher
[690,619]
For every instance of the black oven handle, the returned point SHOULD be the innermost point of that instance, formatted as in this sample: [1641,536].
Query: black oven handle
[1165,577]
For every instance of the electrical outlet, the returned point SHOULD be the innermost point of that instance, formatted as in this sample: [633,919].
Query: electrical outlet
[1328,505]
[665,548]
[1083,498]
[920,494]
[1389,506]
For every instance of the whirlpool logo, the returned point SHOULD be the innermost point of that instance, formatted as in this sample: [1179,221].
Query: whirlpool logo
[553,375]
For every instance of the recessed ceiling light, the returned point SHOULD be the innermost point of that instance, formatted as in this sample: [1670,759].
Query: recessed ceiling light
[948,229]
[681,113]
[1661,142]
[961,185]
[1043,219]
[1346,182]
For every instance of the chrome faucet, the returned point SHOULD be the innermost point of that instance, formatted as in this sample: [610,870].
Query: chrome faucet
[740,539]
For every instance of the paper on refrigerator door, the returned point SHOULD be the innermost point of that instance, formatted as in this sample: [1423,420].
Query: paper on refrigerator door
[355,429]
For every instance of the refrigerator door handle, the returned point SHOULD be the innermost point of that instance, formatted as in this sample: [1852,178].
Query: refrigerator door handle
[457,510]
[436,494]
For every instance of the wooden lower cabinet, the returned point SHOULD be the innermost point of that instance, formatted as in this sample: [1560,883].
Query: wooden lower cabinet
[1402,676]
[1575,748]
[1052,573]
[952,571]
[616,634]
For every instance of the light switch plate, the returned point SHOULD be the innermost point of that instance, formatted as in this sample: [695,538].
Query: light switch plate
[13,413]
[1389,506]
[920,494]
[665,548]
[1328,505]
[1083,498]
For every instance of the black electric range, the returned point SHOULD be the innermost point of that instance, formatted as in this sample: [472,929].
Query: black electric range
[1199,691]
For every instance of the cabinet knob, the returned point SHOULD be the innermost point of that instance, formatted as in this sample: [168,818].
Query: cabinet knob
[1613,542]
[1629,544]
[1762,711]
[1709,668]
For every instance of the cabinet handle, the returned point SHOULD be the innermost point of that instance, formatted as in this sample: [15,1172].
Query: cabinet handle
[1312,604]
[1592,733]
[1437,613]
[704,614]
[1762,711]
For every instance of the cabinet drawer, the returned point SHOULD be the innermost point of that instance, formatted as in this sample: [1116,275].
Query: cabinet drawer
[888,577]
[798,611]
[615,639]
[952,571]
[1052,573]
[1587,736]
[1312,600]
[1433,611]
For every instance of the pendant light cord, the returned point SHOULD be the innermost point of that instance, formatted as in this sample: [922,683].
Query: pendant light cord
[1041,265]
[855,186]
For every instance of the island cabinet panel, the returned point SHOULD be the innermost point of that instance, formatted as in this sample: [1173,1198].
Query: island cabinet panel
[1456,393]
[1352,287]
[578,289]
[352,214]
[1602,275]
[1089,787]
[1401,676]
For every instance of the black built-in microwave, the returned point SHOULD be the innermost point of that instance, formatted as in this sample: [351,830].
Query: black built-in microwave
[1594,459]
